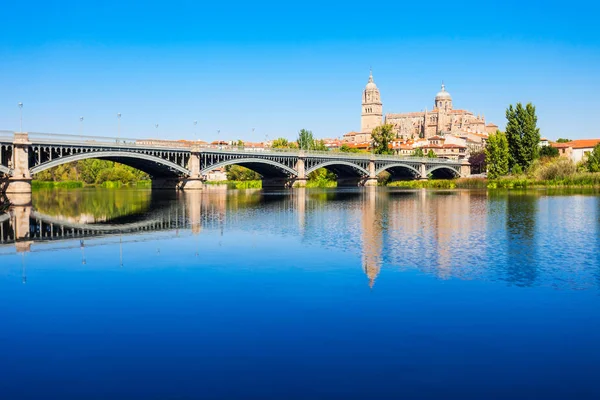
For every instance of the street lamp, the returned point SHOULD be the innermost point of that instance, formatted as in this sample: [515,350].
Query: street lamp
[119,123]
[218,140]
[81,125]
[20,117]
[195,135]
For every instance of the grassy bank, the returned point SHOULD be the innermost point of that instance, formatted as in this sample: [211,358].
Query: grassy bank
[461,183]
[56,185]
[577,180]
[580,180]
[78,184]
[321,183]
[252,184]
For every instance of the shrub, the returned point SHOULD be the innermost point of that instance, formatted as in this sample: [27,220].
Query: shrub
[560,168]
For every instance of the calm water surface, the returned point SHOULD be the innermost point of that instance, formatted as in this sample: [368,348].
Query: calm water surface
[306,294]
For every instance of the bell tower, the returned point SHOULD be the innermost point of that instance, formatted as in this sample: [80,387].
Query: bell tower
[372,113]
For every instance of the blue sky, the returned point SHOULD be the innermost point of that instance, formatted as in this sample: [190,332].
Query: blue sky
[281,66]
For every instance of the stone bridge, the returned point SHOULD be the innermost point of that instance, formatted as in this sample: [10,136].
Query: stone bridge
[184,165]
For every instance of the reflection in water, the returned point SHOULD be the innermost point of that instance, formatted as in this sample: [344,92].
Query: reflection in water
[91,205]
[521,210]
[506,236]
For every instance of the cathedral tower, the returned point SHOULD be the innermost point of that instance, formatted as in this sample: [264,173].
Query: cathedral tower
[372,112]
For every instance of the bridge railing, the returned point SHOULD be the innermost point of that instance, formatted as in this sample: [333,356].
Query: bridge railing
[328,154]
[105,141]
[185,145]
[6,136]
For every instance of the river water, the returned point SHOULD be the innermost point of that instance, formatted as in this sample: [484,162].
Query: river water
[304,294]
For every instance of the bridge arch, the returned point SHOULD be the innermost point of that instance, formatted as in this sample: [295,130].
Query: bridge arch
[443,172]
[341,168]
[401,169]
[152,165]
[265,167]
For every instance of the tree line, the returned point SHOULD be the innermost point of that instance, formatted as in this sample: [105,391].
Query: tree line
[518,150]
[93,171]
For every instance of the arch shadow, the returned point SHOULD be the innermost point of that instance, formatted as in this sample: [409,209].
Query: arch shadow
[152,165]
[400,171]
[443,172]
[342,169]
[266,168]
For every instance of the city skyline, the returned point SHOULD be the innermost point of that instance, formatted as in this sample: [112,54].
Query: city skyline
[250,76]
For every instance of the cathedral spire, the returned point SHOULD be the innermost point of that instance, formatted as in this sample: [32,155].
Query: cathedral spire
[370,75]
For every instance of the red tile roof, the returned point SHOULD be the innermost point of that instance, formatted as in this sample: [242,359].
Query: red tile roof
[583,143]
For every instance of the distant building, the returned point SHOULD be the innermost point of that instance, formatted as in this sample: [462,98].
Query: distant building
[217,175]
[455,149]
[576,150]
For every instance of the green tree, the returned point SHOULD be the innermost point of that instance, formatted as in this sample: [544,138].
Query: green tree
[382,136]
[563,140]
[522,134]
[347,149]
[418,152]
[548,151]
[239,173]
[497,155]
[593,160]
[280,143]
[319,145]
[431,154]
[306,141]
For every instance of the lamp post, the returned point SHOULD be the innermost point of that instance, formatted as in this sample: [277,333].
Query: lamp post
[218,139]
[81,125]
[195,131]
[20,117]
[119,126]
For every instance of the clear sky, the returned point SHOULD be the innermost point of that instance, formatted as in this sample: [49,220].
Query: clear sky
[282,66]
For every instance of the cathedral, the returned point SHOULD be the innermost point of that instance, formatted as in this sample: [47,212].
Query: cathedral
[442,119]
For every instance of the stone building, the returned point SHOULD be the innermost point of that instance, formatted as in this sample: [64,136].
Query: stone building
[442,119]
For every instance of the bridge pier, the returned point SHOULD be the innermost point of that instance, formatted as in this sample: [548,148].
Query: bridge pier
[372,179]
[192,184]
[20,181]
[194,181]
[301,179]
[422,172]
[465,169]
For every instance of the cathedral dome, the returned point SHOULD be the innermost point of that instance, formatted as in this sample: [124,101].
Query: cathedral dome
[442,94]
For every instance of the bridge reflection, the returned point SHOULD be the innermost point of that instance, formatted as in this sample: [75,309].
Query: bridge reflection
[448,234]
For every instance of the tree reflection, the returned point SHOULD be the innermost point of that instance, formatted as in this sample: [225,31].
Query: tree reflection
[521,209]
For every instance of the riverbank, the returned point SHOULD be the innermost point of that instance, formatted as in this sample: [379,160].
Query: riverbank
[35,184]
[581,180]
